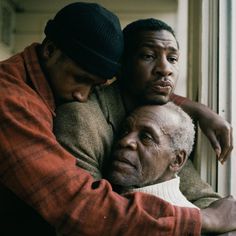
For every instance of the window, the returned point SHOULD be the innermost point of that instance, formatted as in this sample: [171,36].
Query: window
[6,25]
[211,59]
[227,87]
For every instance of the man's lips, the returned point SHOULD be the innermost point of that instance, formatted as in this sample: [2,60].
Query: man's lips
[164,83]
[162,87]
[120,162]
[123,161]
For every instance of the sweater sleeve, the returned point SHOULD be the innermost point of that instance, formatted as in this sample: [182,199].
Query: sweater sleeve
[83,130]
[194,188]
[44,175]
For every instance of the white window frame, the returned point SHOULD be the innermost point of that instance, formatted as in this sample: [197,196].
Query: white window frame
[211,59]
[227,88]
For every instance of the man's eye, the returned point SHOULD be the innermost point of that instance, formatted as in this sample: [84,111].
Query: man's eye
[123,133]
[146,137]
[148,57]
[172,59]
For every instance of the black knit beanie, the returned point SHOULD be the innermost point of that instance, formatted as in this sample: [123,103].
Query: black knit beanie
[90,35]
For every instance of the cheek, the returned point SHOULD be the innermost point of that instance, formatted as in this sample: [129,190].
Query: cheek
[149,162]
[140,78]
[64,88]
[143,70]
[176,74]
[154,165]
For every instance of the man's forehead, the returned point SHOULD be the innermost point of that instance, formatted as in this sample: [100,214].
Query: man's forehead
[152,38]
[146,118]
[152,112]
[155,117]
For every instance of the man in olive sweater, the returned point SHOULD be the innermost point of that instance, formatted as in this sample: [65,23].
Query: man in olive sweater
[149,75]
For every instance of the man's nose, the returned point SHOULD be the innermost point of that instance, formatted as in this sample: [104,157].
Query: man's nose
[81,94]
[129,141]
[163,67]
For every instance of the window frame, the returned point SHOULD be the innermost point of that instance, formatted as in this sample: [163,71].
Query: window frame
[211,36]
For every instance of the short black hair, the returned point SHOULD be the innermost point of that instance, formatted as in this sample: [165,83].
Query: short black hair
[149,24]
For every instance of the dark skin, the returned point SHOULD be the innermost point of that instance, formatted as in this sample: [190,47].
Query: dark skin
[218,131]
[68,80]
[71,82]
[153,61]
[153,69]
[143,154]
[150,74]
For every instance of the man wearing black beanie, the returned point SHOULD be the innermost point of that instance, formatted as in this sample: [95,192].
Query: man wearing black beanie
[90,35]
[41,188]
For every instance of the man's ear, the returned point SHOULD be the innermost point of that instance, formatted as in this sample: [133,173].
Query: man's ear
[48,49]
[178,161]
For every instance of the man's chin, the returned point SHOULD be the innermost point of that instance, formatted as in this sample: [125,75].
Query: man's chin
[122,180]
[157,100]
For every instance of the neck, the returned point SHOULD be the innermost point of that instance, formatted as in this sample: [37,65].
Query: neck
[168,191]
[129,99]
[124,189]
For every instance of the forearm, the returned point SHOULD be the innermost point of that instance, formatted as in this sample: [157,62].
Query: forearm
[218,130]
[44,175]
[67,198]
[194,188]
[192,108]
[220,216]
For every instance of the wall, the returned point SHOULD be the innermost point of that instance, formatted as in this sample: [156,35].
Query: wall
[31,20]
[32,15]
[7,24]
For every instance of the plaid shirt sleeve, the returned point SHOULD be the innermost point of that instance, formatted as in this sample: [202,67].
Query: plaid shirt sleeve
[39,171]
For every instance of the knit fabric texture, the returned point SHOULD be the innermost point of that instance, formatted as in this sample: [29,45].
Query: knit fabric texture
[90,35]
[168,191]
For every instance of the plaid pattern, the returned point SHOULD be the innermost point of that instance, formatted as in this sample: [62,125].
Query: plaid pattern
[45,176]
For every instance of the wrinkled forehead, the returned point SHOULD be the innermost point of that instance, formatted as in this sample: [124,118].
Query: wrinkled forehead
[158,117]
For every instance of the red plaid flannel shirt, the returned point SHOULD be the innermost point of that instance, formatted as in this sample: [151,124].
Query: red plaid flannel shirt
[45,176]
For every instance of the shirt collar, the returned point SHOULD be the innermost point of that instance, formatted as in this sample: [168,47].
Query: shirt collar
[37,76]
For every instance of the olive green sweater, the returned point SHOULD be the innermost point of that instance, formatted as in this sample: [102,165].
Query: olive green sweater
[87,130]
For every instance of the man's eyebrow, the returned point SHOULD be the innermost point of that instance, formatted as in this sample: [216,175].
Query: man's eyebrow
[147,44]
[156,130]
[152,129]
[153,45]
[173,49]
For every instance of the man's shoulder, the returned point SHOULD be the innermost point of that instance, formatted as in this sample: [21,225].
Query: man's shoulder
[78,113]
[109,97]
[107,91]
[111,103]
[12,69]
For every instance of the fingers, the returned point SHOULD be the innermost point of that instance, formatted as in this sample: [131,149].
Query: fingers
[225,155]
[214,143]
[222,144]
[226,143]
